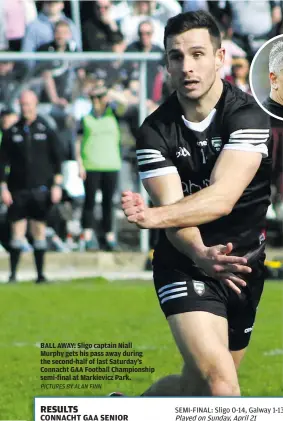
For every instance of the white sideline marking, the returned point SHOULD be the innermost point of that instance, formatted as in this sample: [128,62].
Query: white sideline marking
[273,352]
[69,275]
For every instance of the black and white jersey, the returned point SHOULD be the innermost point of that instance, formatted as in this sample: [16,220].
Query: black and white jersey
[273,107]
[168,143]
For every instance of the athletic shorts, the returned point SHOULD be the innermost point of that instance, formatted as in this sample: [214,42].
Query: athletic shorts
[30,204]
[180,292]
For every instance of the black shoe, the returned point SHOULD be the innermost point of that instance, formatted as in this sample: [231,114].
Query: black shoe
[41,279]
[116,395]
[12,278]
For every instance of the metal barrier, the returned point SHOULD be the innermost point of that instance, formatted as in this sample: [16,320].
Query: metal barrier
[143,58]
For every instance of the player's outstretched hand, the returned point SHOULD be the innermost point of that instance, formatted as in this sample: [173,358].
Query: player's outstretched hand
[135,209]
[217,262]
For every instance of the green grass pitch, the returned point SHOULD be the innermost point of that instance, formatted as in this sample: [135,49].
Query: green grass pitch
[97,311]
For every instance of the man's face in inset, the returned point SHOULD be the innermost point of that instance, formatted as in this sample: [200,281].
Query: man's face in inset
[193,62]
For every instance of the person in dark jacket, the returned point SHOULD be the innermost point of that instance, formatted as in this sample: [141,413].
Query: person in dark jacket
[30,180]
[100,30]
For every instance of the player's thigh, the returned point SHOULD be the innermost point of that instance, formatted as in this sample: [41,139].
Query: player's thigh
[202,337]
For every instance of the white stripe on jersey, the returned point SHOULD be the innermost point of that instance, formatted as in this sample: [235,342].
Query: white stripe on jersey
[141,157]
[158,172]
[250,131]
[249,136]
[237,140]
[150,161]
[174,284]
[171,297]
[179,289]
[248,148]
[154,151]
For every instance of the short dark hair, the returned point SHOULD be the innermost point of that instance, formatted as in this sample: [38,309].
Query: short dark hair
[193,20]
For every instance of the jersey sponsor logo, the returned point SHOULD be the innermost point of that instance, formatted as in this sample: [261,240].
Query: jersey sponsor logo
[17,138]
[189,187]
[216,143]
[248,329]
[199,287]
[182,152]
[40,136]
[202,143]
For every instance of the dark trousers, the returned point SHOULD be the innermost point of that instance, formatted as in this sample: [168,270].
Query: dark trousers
[106,182]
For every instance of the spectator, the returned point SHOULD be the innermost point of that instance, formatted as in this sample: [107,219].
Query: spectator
[41,31]
[8,117]
[59,75]
[240,74]
[252,23]
[18,14]
[10,82]
[232,50]
[30,149]
[145,44]
[99,159]
[59,79]
[144,10]
[111,73]
[99,31]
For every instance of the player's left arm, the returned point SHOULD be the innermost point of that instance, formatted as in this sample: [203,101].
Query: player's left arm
[234,170]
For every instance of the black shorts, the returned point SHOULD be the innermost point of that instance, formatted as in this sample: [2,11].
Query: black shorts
[180,292]
[30,204]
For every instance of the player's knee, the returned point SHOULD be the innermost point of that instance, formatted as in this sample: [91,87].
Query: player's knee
[220,386]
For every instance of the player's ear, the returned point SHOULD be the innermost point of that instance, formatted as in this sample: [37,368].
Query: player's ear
[273,80]
[219,58]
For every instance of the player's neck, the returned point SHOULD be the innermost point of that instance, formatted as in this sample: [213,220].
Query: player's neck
[198,110]
[276,96]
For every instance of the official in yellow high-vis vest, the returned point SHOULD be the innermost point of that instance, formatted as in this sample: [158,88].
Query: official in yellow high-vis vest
[99,159]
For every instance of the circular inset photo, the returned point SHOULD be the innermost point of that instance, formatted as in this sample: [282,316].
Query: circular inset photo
[266,77]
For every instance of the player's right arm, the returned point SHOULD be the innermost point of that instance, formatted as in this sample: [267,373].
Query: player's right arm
[163,184]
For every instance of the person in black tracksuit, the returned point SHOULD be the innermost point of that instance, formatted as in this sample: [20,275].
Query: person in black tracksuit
[30,151]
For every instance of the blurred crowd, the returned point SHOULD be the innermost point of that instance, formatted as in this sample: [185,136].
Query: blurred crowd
[69,93]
